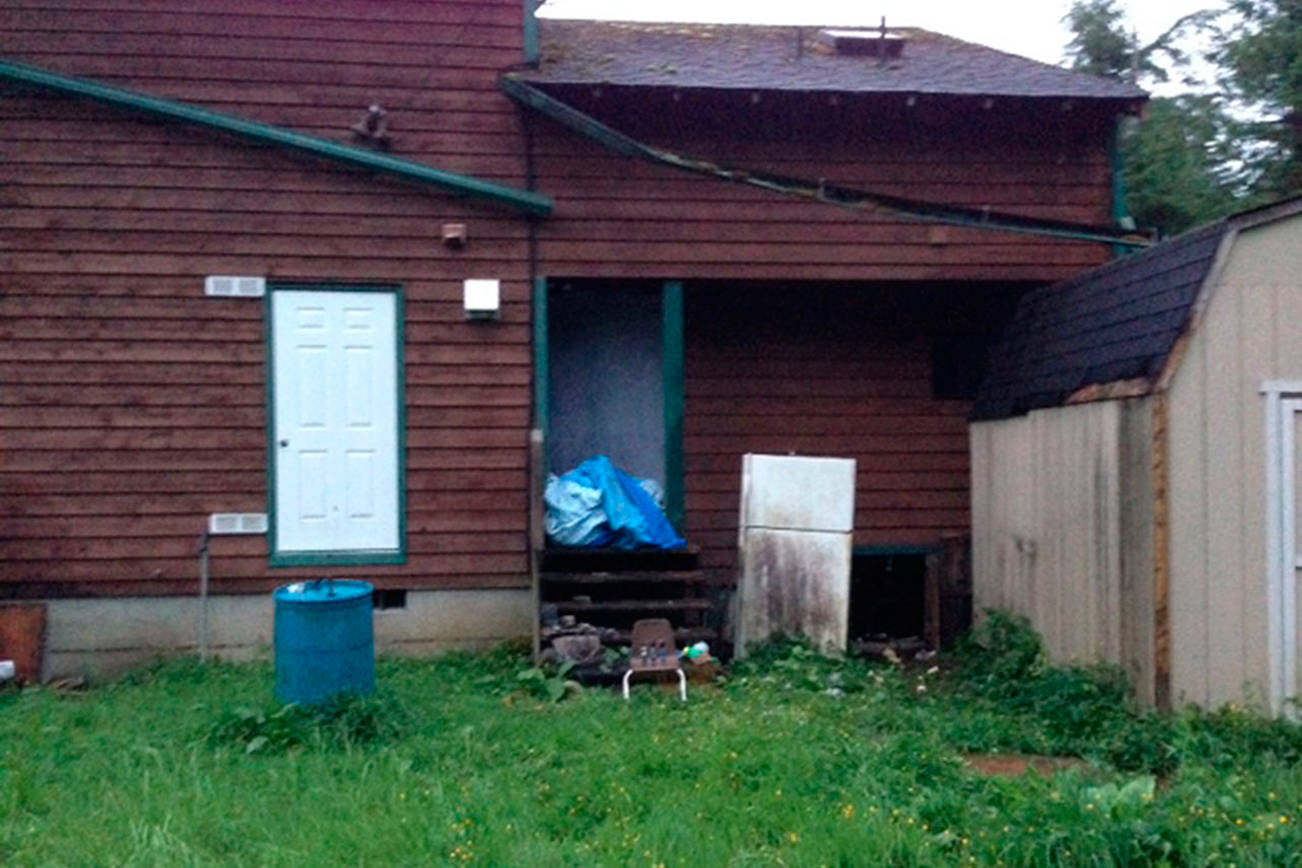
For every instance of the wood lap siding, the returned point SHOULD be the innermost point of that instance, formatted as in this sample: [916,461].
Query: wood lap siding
[819,377]
[621,217]
[131,406]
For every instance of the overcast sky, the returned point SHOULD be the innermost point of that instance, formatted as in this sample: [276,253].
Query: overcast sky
[1031,28]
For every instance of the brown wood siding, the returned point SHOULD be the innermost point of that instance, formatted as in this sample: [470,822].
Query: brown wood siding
[132,406]
[843,371]
[621,217]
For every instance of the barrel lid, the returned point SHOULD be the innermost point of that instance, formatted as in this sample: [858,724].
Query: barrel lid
[324,591]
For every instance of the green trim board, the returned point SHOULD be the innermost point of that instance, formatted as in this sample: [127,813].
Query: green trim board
[532,54]
[338,558]
[1120,194]
[672,376]
[895,550]
[541,361]
[407,170]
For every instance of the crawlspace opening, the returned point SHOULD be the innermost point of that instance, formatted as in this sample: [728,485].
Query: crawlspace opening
[887,595]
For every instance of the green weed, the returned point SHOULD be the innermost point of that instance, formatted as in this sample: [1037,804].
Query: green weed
[342,721]
[550,683]
[796,760]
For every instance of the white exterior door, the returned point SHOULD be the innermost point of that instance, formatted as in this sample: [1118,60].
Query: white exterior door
[334,425]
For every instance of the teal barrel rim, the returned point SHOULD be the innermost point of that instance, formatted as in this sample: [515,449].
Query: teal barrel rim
[325,640]
[323,591]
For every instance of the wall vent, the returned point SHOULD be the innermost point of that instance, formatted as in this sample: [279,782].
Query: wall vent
[234,286]
[228,523]
[389,598]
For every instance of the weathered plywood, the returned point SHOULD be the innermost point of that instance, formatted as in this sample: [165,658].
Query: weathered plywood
[1137,595]
[22,639]
[1051,522]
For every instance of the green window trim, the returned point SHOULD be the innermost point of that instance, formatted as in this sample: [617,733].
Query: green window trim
[359,557]
[672,376]
[541,360]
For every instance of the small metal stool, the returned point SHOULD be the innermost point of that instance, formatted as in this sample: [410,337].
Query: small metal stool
[654,651]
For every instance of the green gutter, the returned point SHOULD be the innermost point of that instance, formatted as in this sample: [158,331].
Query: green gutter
[844,197]
[532,54]
[521,200]
[1120,195]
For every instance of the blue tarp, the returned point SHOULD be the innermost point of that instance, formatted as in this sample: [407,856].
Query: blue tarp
[597,505]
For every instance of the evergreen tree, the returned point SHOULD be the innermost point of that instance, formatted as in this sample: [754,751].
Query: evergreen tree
[1262,62]
[1190,159]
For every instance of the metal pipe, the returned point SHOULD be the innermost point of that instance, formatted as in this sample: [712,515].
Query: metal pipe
[202,641]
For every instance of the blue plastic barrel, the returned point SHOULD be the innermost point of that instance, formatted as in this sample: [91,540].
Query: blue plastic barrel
[325,640]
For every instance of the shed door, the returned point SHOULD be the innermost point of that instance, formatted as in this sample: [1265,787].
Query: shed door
[334,422]
[1288,608]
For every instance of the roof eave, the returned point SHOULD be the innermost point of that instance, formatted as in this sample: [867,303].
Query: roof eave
[1129,104]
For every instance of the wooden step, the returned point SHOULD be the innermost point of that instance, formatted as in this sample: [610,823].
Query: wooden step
[623,577]
[618,560]
[573,607]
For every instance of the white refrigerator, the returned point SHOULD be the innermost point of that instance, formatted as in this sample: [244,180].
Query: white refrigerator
[795,541]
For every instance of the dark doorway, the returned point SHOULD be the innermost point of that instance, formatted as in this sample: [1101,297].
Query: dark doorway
[607,390]
[887,595]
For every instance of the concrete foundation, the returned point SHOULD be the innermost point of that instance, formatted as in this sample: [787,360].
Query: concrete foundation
[101,638]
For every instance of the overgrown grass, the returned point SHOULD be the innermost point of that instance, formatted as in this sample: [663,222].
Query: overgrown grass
[796,760]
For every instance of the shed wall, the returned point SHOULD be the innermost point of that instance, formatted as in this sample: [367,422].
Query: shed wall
[1057,496]
[1250,331]
[132,405]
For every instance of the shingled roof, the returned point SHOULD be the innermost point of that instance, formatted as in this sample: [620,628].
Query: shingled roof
[1116,324]
[752,57]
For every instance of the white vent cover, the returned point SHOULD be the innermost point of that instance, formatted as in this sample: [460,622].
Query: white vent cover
[483,298]
[873,43]
[225,523]
[234,286]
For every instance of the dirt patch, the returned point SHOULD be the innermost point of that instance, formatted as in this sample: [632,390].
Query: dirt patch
[1011,765]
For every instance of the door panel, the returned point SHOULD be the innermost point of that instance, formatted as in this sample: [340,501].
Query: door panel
[335,421]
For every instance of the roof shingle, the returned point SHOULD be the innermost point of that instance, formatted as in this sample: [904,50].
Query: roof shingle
[1116,322]
[747,56]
